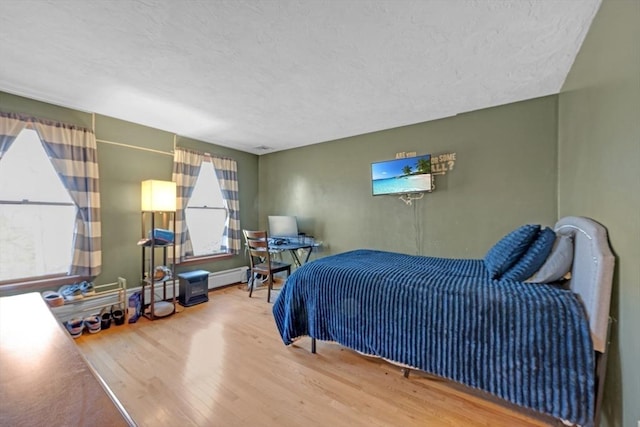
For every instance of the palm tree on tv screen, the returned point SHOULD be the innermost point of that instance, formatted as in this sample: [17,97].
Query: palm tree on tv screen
[424,166]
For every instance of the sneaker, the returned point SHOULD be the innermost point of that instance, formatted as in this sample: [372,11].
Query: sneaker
[71,292]
[87,288]
[92,323]
[54,299]
[75,327]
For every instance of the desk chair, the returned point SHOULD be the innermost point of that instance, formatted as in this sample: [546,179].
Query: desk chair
[260,259]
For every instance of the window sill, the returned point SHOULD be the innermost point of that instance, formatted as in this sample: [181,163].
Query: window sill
[205,259]
[37,284]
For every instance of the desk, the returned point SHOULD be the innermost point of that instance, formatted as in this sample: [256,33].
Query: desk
[44,379]
[292,246]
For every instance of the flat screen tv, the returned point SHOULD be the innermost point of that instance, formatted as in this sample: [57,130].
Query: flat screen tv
[401,176]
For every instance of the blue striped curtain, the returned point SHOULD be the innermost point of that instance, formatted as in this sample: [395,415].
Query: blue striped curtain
[73,154]
[227,173]
[10,126]
[186,168]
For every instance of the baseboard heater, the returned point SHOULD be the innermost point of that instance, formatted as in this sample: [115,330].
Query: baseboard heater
[228,277]
[216,279]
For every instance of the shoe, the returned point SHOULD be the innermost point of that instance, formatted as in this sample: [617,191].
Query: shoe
[54,299]
[105,319]
[75,327]
[92,323]
[71,292]
[87,288]
[118,315]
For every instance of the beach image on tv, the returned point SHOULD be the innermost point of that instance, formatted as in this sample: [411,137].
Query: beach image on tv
[408,175]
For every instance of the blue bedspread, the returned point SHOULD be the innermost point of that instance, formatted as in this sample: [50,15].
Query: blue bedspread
[526,343]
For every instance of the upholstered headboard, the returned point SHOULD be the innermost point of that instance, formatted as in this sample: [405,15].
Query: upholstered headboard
[591,273]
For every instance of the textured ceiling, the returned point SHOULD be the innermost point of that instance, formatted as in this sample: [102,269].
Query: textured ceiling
[283,74]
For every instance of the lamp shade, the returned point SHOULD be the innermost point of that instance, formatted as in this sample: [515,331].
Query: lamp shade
[158,196]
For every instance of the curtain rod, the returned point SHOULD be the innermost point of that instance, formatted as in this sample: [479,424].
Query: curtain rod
[120,144]
[207,156]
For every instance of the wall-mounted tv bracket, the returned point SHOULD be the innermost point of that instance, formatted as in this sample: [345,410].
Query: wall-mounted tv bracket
[410,197]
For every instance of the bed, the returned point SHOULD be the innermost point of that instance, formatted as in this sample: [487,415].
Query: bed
[510,324]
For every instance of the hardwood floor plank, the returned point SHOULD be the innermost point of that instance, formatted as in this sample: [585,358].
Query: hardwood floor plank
[222,363]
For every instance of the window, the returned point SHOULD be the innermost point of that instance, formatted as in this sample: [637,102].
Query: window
[206,214]
[37,215]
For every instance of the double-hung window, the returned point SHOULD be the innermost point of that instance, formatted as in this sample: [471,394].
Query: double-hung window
[206,214]
[37,215]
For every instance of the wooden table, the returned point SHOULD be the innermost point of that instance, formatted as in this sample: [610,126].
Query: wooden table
[44,379]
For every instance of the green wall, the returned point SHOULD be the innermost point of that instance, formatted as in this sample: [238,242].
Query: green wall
[505,175]
[599,177]
[121,171]
[572,154]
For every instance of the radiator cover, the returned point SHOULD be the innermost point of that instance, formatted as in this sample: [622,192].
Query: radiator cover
[227,277]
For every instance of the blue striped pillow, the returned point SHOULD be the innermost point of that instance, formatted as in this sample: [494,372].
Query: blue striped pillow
[533,258]
[509,249]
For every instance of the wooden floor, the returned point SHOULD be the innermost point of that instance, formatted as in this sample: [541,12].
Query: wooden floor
[222,363]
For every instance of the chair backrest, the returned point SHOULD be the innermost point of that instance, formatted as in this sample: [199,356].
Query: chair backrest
[258,247]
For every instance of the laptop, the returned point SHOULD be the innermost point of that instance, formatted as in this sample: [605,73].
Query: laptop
[282,227]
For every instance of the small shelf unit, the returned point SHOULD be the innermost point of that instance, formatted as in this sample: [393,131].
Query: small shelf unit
[106,296]
[152,253]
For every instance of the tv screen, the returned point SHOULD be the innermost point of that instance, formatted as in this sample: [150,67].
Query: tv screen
[402,176]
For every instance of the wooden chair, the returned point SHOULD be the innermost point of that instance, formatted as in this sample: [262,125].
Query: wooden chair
[260,260]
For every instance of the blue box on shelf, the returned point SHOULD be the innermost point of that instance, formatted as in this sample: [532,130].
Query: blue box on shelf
[165,236]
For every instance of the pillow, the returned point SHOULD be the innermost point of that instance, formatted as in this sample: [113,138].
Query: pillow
[558,264]
[509,249]
[533,258]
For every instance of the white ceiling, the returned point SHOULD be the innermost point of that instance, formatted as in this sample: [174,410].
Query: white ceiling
[285,73]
